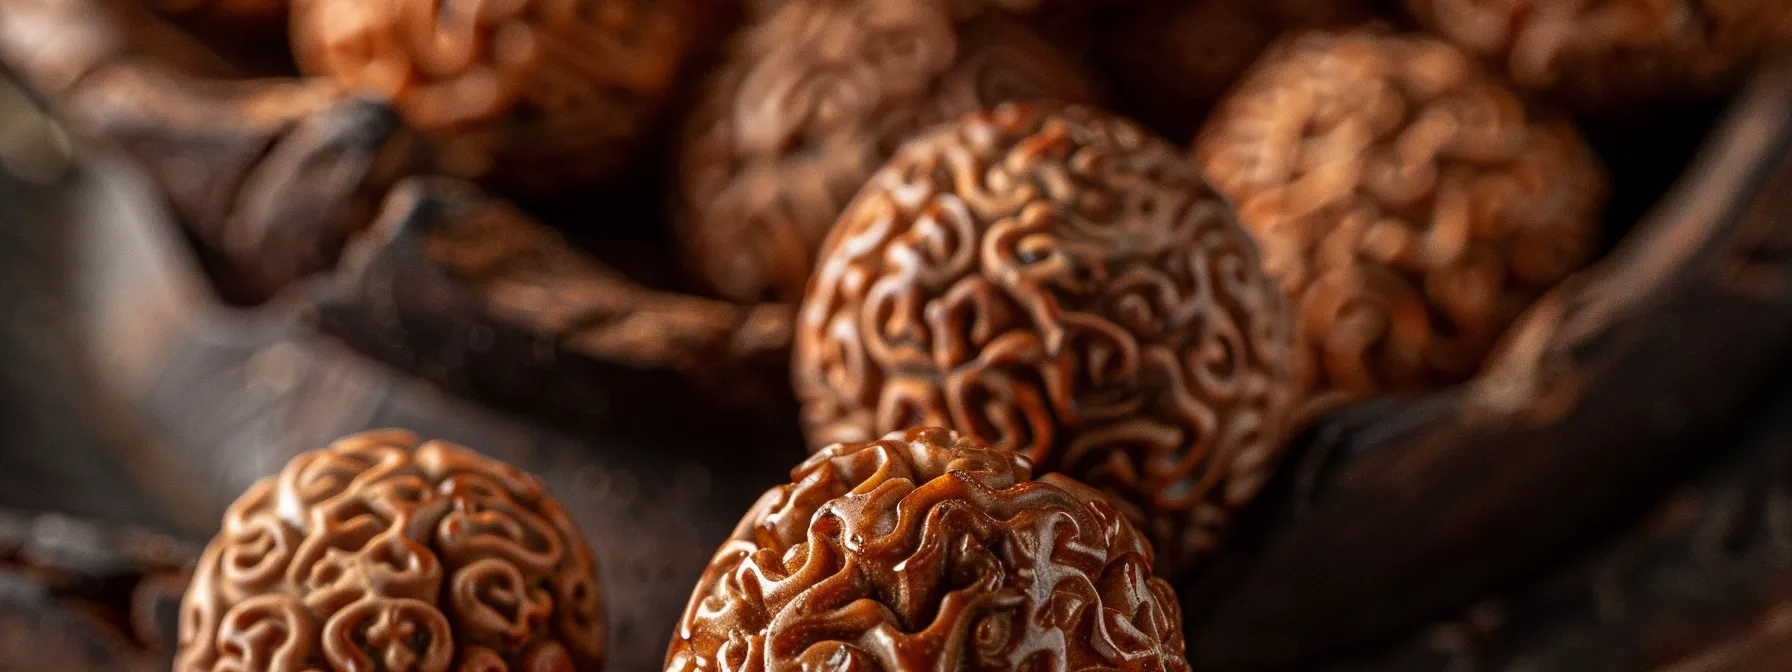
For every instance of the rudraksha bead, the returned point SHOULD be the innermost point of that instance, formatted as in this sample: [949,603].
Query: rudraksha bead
[1607,55]
[1058,282]
[930,551]
[382,552]
[814,96]
[1409,204]
[529,94]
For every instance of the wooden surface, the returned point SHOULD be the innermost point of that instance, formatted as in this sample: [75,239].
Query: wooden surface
[1701,583]
[466,291]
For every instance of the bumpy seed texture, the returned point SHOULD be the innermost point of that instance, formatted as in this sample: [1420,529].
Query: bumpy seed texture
[929,551]
[378,553]
[815,95]
[1605,54]
[529,93]
[1057,282]
[1409,205]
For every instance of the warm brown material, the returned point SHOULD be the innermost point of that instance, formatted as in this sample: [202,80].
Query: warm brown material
[815,95]
[1409,205]
[1061,283]
[528,93]
[384,552]
[1171,60]
[930,551]
[1605,54]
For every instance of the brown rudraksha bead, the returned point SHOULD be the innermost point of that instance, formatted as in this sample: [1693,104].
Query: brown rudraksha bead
[527,93]
[1602,55]
[382,552]
[813,97]
[1410,205]
[1058,282]
[930,551]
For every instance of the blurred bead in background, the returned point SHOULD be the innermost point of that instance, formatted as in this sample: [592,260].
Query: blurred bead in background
[532,94]
[1608,56]
[813,96]
[1410,205]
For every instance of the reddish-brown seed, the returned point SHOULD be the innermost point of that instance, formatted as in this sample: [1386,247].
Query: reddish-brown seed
[1605,55]
[929,551]
[1409,204]
[1058,282]
[527,93]
[814,96]
[385,552]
